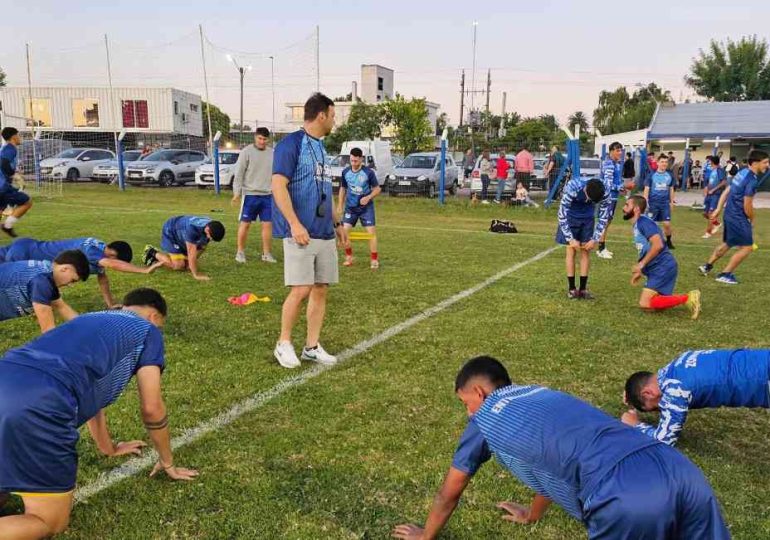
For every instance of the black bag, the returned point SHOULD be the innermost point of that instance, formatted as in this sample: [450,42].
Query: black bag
[499,226]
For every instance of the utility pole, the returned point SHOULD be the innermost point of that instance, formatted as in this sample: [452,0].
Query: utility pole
[489,118]
[502,118]
[462,97]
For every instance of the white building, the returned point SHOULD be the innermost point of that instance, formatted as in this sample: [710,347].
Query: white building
[376,83]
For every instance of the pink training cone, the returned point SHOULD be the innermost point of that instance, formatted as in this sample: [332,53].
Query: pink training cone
[246,299]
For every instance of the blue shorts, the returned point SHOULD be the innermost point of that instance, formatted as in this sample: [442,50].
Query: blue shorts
[364,213]
[659,213]
[661,277]
[168,243]
[654,494]
[38,432]
[253,206]
[582,230]
[738,232]
[711,202]
[11,196]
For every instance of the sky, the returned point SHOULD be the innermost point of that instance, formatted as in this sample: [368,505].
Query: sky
[550,57]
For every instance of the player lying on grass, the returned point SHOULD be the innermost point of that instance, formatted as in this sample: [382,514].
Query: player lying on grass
[577,229]
[28,287]
[56,383]
[655,262]
[697,380]
[358,188]
[615,480]
[9,194]
[183,240]
[116,255]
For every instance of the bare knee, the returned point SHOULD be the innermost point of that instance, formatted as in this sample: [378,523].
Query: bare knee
[178,264]
[300,292]
[319,291]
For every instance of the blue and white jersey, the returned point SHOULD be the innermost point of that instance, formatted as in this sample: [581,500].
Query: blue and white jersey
[556,444]
[644,229]
[25,283]
[575,205]
[94,356]
[709,379]
[183,229]
[10,154]
[660,184]
[714,177]
[357,185]
[28,249]
[612,176]
[301,158]
[743,184]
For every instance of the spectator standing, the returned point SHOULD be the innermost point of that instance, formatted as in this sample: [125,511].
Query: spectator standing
[555,163]
[485,171]
[629,170]
[652,163]
[524,166]
[502,175]
[469,161]
[731,168]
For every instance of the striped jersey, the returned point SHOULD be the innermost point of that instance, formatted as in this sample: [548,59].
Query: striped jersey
[25,283]
[612,176]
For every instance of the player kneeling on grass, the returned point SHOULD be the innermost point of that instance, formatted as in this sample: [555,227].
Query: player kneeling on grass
[577,230]
[358,188]
[56,383]
[116,255]
[738,203]
[697,380]
[183,240]
[615,480]
[10,195]
[655,262]
[28,287]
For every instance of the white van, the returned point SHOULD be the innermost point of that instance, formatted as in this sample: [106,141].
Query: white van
[377,156]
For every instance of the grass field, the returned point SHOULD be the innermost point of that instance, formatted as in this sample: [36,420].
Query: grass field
[364,446]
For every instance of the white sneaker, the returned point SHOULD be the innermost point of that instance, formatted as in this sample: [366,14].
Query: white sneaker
[485,201]
[268,258]
[374,265]
[604,254]
[240,257]
[716,229]
[706,236]
[319,355]
[284,353]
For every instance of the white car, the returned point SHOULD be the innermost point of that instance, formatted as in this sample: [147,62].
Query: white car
[204,175]
[107,172]
[166,167]
[591,167]
[74,163]
[508,190]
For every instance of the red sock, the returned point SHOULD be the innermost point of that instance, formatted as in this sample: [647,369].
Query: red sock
[374,255]
[348,252]
[715,222]
[666,302]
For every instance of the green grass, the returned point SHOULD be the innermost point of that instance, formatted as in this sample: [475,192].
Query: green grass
[364,446]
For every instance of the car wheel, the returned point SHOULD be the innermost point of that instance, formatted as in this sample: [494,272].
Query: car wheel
[453,188]
[165,179]
[72,175]
[431,190]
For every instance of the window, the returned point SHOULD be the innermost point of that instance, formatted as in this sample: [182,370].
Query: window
[380,84]
[40,110]
[85,113]
[297,113]
[135,113]
[104,154]
[176,107]
[193,107]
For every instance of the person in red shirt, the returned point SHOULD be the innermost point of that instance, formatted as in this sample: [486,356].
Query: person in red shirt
[652,163]
[502,175]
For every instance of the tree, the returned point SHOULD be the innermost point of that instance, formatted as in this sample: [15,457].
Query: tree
[618,111]
[219,120]
[365,122]
[237,127]
[579,118]
[549,120]
[410,122]
[732,71]
[2,77]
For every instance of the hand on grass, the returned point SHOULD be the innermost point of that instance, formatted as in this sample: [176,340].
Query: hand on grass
[154,266]
[408,532]
[175,473]
[630,418]
[128,447]
[515,513]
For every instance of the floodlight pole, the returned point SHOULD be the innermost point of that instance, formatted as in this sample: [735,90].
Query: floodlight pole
[217,186]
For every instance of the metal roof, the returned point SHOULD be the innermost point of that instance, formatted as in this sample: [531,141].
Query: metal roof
[739,119]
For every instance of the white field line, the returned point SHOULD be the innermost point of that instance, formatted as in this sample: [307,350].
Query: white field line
[134,466]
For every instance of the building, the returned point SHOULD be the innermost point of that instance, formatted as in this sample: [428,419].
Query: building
[629,139]
[376,83]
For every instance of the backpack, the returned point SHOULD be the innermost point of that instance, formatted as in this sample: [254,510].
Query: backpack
[499,226]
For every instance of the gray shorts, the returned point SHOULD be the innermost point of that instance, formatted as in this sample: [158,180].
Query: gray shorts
[313,264]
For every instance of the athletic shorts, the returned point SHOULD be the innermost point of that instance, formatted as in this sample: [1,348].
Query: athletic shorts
[19,250]
[659,213]
[168,244]
[661,277]
[313,264]
[38,432]
[253,206]
[11,196]
[655,493]
[738,232]
[582,230]
[711,202]
[363,213]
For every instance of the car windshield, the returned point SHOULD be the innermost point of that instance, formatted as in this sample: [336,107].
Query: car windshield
[161,155]
[228,158]
[418,162]
[539,163]
[132,155]
[72,153]
[341,161]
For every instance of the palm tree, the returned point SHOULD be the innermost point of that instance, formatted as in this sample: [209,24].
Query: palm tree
[579,118]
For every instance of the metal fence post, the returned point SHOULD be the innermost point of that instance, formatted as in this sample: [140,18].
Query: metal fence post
[442,177]
[217,187]
[121,164]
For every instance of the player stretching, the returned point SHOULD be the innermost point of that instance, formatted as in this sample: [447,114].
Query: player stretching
[738,203]
[9,195]
[716,182]
[697,380]
[659,193]
[66,378]
[183,240]
[616,481]
[577,229]
[358,188]
[655,262]
[612,176]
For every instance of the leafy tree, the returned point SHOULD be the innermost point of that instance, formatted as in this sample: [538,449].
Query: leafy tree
[365,122]
[2,77]
[410,122]
[618,111]
[732,71]
[579,118]
[220,121]
[237,127]
[549,121]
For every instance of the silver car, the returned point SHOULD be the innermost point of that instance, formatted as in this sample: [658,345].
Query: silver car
[108,172]
[420,174]
[166,167]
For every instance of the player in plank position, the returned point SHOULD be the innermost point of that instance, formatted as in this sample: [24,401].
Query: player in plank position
[28,287]
[697,380]
[616,481]
[655,262]
[358,188]
[56,383]
[116,255]
[183,240]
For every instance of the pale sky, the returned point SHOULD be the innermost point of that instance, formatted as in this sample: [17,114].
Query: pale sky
[549,56]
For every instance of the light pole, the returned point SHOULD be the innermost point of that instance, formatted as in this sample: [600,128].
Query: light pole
[242,71]
[272,86]
[473,87]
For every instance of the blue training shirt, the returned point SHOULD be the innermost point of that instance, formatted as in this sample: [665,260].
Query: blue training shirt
[714,177]
[660,184]
[357,185]
[644,229]
[709,379]
[190,229]
[25,283]
[612,176]
[743,184]
[8,153]
[301,158]
[29,249]
[94,356]
[556,444]
[575,205]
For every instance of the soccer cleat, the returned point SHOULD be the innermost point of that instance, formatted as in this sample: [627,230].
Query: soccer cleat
[240,257]
[693,303]
[586,295]
[148,255]
[268,258]
[604,254]
[670,245]
[284,353]
[706,236]
[318,354]
[727,278]
[573,294]
[705,269]
[374,265]
[9,231]
[348,261]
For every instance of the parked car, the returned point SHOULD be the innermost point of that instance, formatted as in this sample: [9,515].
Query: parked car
[591,167]
[107,172]
[74,163]
[420,174]
[377,156]
[510,186]
[204,174]
[166,167]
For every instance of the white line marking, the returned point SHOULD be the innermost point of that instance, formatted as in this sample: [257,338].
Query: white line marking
[134,466]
